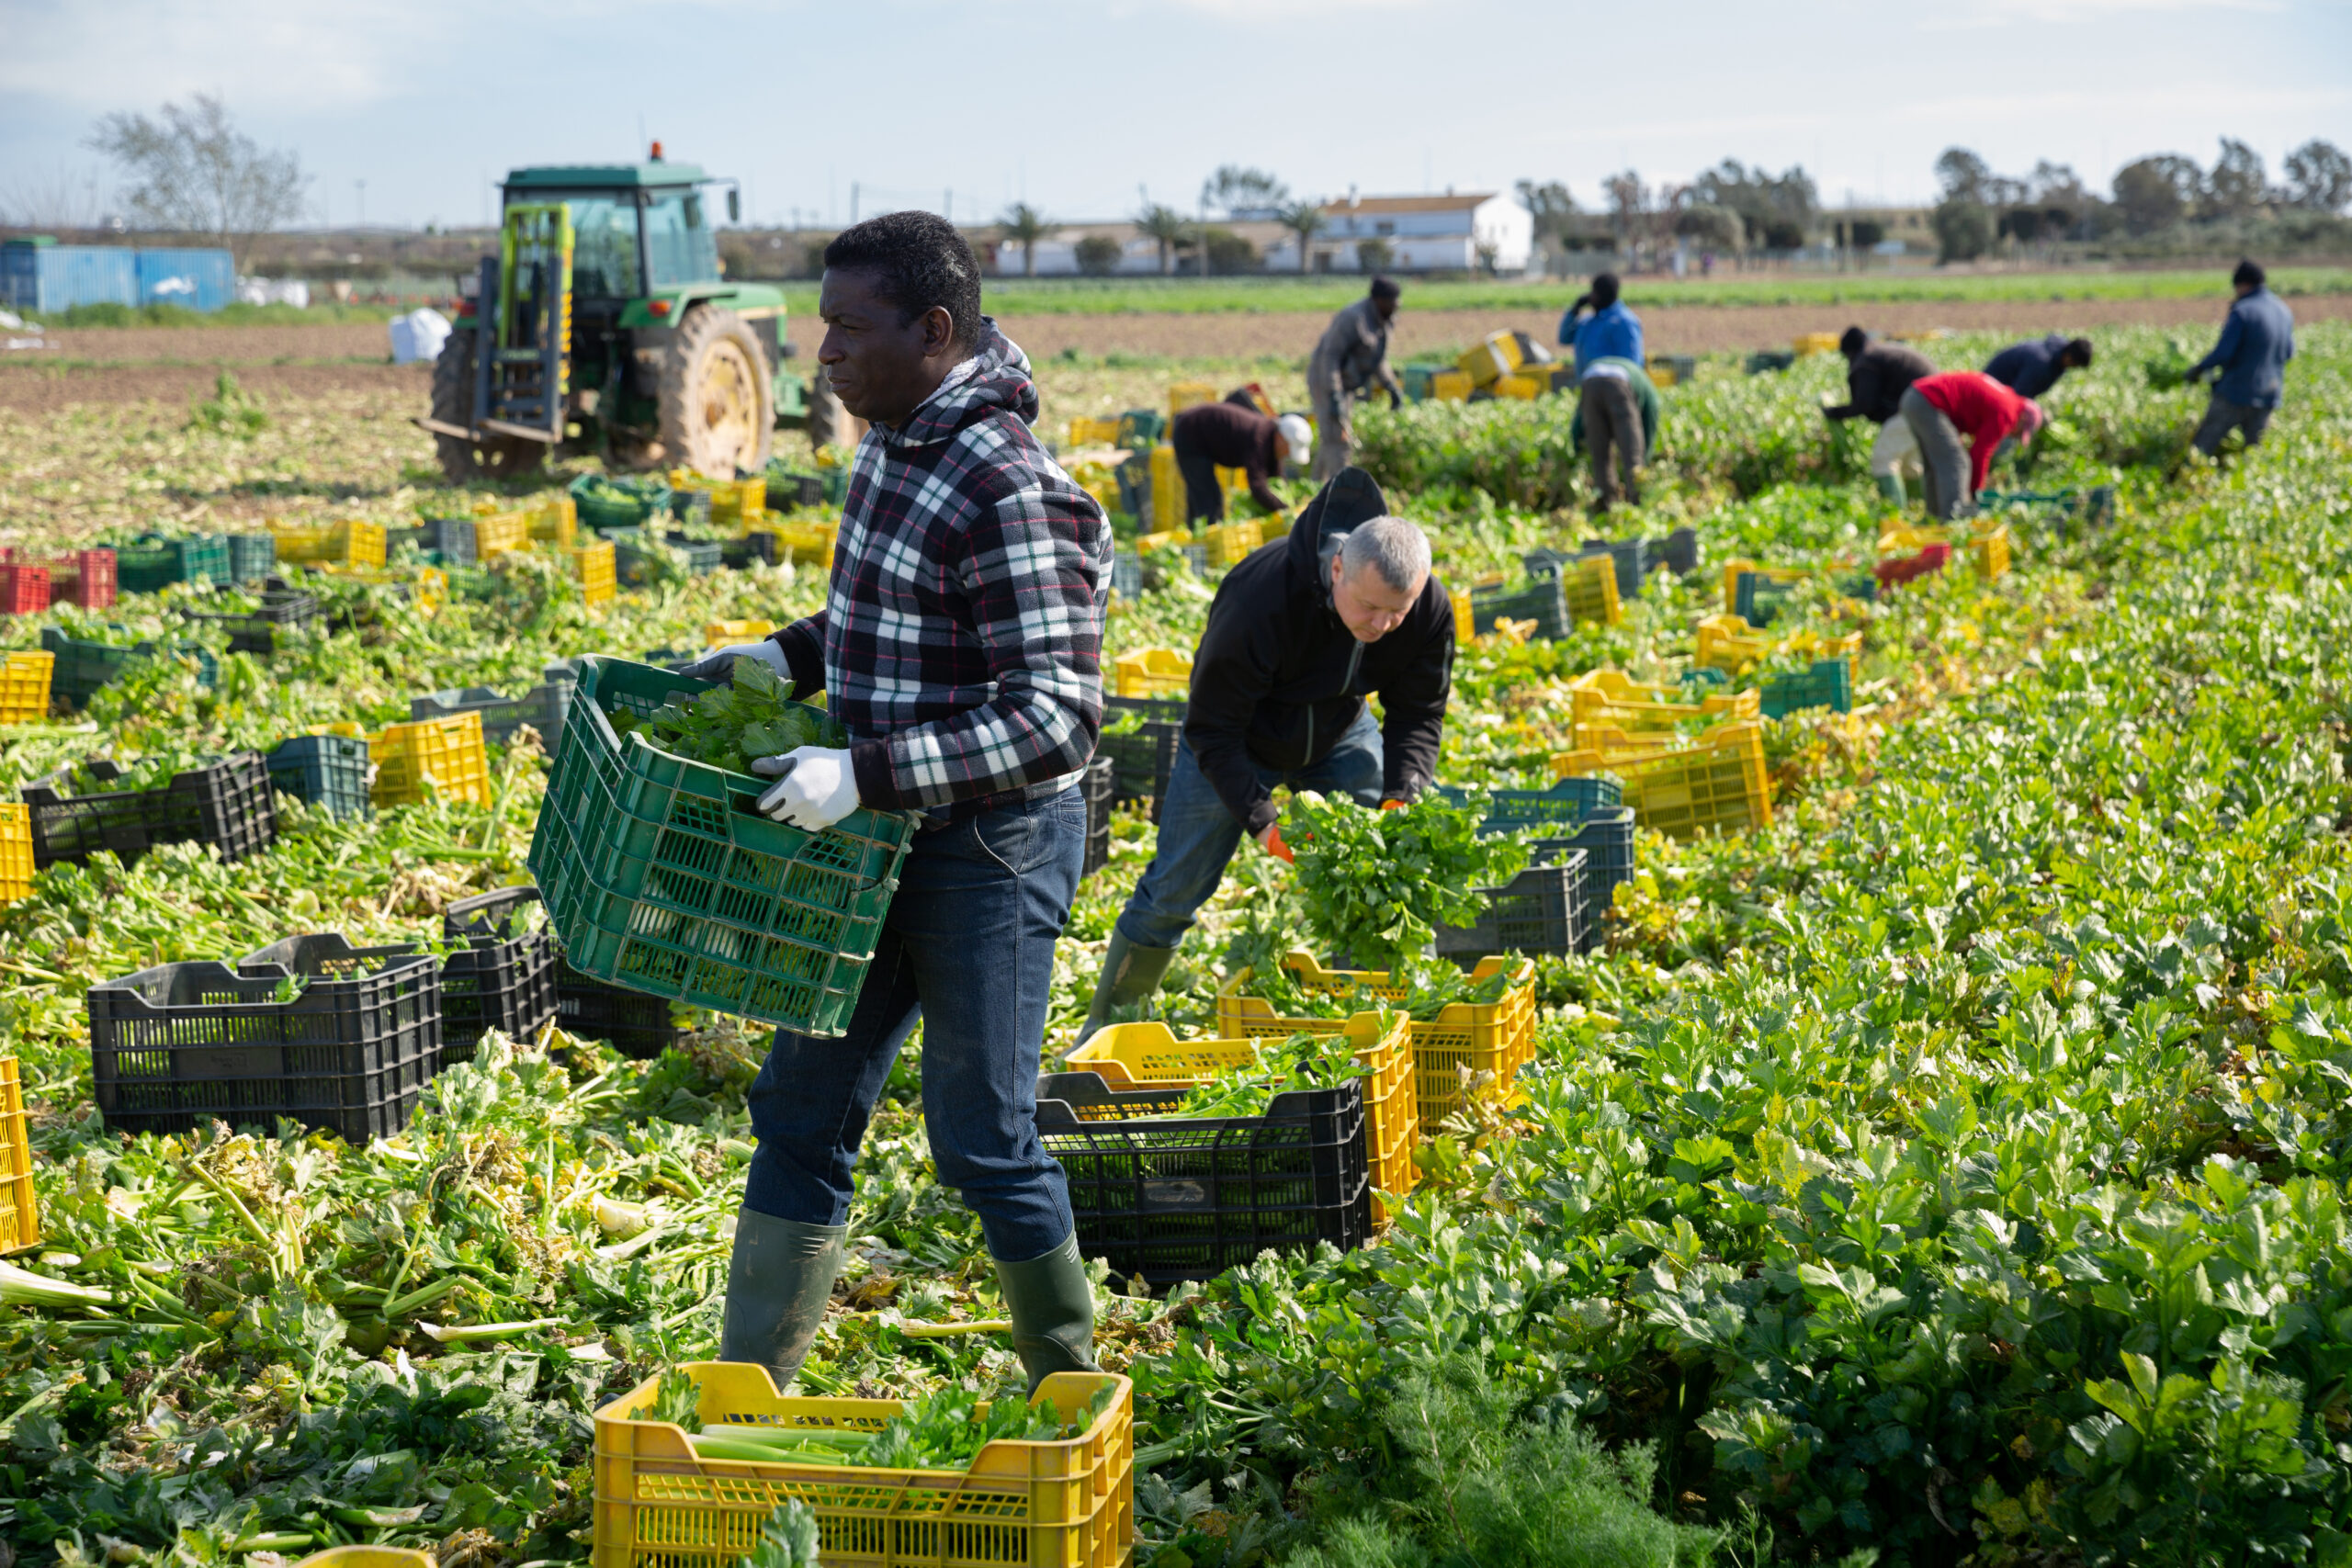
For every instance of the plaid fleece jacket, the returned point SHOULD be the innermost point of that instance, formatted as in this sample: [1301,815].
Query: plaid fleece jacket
[961,641]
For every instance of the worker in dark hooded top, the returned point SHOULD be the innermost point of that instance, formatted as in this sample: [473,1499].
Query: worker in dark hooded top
[1301,633]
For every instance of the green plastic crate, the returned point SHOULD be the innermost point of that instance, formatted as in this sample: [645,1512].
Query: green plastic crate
[82,667]
[1828,684]
[658,875]
[153,562]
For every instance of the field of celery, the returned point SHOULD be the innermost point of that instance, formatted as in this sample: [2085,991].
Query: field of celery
[1952,1172]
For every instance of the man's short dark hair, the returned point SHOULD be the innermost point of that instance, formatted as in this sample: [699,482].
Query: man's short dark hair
[2249,274]
[2079,352]
[918,262]
[1604,290]
[1385,288]
[1853,342]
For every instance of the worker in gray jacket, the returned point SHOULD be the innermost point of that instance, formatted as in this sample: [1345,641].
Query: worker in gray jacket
[1351,357]
[2257,340]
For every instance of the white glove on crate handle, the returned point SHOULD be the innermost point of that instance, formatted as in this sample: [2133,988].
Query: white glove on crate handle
[719,664]
[815,786]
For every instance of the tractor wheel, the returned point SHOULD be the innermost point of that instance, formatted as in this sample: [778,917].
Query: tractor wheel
[717,405]
[493,457]
[827,418]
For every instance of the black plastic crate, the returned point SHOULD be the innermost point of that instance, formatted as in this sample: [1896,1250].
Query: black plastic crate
[174,1048]
[255,631]
[542,707]
[251,556]
[632,1022]
[1172,1199]
[1142,758]
[758,546]
[225,804]
[1101,782]
[1631,557]
[504,979]
[1679,551]
[703,556]
[789,488]
[1543,603]
[453,538]
[324,770]
[1543,909]
[692,506]
[1606,840]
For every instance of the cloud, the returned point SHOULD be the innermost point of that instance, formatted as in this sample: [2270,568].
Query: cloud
[2003,13]
[265,57]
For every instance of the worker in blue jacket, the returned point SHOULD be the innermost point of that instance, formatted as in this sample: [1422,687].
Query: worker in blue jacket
[1605,342]
[2030,370]
[2257,342]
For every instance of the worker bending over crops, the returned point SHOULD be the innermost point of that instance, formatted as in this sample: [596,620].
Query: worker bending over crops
[1349,361]
[2257,342]
[960,644]
[1876,375]
[1300,633]
[2032,368]
[1606,342]
[1230,435]
[1944,408]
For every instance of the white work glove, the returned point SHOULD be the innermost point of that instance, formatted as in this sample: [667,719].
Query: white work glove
[815,786]
[719,664]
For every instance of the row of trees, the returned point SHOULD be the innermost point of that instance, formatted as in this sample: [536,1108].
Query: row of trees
[2151,195]
[1232,193]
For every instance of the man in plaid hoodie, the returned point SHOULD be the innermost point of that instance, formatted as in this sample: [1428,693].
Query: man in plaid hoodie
[960,644]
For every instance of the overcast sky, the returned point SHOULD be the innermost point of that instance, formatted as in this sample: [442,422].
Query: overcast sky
[1077,104]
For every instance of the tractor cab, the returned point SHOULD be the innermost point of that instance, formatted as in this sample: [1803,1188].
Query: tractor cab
[606,323]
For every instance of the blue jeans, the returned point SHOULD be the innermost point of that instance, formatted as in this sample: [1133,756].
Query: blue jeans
[968,949]
[1198,835]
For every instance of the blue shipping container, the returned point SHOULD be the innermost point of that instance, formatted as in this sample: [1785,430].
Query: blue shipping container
[42,278]
[194,280]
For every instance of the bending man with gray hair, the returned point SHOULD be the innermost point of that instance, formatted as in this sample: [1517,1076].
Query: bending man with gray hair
[1301,633]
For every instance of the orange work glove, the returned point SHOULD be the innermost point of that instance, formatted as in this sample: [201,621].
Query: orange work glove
[1392,806]
[1272,840]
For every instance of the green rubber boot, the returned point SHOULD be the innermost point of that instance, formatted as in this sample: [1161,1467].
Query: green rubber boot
[1890,487]
[778,1282]
[1052,1307]
[1130,975]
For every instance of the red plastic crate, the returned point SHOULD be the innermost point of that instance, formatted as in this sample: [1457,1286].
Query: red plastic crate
[83,578]
[1905,568]
[24,590]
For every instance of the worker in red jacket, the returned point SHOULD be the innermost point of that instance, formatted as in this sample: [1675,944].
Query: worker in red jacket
[1943,408]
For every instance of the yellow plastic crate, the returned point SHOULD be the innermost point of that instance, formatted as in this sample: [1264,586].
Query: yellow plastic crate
[813,541]
[1588,589]
[1525,389]
[1153,673]
[1613,700]
[1164,538]
[1169,510]
[1900,539]
[24,685]
[1466,628]
[1661,372]
[1066,1503]
[1484,1037]
[1716,782]
[16,851]
[1148,1057]
[1229,542]
[497,532]
[1498,357]
[719,634]
[1089,432]
[553,520]
[1189,395]
[1815,343]
[352,543]
[19,1213]
[367,1557]
[1729,643]
[1451,387]
[1992,552]
[427,756]
[427,585]
[1732,571]
[593,565]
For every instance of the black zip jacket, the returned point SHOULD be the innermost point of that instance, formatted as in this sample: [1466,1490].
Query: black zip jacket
[1279,678]
[1875,379]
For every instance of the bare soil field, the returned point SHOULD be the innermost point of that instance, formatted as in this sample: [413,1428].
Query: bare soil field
[133,364]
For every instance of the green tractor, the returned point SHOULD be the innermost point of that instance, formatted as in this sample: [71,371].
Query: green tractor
[603,325]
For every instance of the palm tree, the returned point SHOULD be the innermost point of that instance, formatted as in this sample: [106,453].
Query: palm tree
[1168,226]
[1304,218]
[1025,225]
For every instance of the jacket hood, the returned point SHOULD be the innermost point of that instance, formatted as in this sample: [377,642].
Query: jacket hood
[996,377]
[1348,500]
